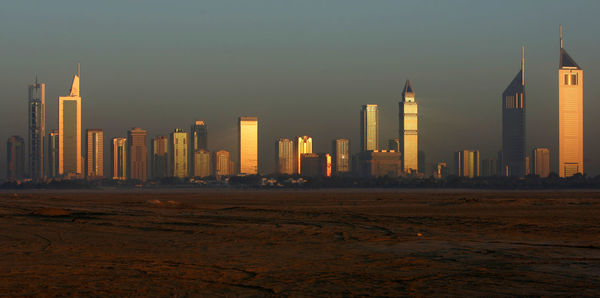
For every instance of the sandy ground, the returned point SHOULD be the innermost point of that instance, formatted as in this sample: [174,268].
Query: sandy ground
[300,243]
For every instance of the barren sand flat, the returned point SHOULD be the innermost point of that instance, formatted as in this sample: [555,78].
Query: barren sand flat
[300,243]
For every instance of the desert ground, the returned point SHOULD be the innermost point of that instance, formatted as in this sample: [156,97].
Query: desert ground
[300,243]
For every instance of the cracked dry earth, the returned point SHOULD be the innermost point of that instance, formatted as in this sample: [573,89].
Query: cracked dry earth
[300,243]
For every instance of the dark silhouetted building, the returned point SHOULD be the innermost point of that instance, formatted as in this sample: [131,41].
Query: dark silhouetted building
[37,129]
[137,155]
[380,164]
[513,124]
[540,160]
[15,158]
[160,157]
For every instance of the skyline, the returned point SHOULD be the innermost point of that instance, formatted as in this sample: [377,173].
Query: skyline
[280,110]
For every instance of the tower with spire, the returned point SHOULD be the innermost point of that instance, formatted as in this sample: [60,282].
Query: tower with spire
[409,140]
[70,162]
[37,129]
[513,124]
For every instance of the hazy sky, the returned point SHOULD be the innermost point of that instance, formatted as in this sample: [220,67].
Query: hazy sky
[303,67]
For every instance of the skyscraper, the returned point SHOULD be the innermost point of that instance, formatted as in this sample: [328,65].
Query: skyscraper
[341,158]
[15,158]
[53,156]
[202,163]
[513,124]
[466,163]
[540,160]
[160,157]
[178,150]
[138,151]
[369,127]
[198,140]
[284,156]
[223,164]
[69,131]
[95,153]
[302,145]
[570,115]
[118,152]
[409,142]
[37,129]
[248,145]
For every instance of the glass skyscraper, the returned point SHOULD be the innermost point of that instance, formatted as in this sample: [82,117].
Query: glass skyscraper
[94,153]
[37,129]
[178,150]
[284,156]
[303,145]
[119,158]
[369,127]
[248,145]
[69,132]
[409,139]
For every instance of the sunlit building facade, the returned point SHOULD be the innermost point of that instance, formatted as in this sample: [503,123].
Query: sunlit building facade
[302,145]
[341,156]
[15,158]
[70,163]
[409,139]
[570,115]
[369,127]
[198,140]
[466,163]
[513,124]
[160,157]
[53,157]
[201,163]
[223,165]
[94,154]
[118,153]
[138,154]
[284,156]
[178,149]
[540,162]
[37,129]
[248,145]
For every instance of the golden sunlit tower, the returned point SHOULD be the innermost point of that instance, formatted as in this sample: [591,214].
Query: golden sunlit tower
[369,128]
[118,152]
[409,140]
[303,145]
[341,158]
[95,154]
[160,157]
[53,157]
[513,124]
[201,163]
[37,129]
[248,145]
[284,156]
[222,163]
[540,162]
[570,115]
[466,163]
[138,154]
[69,131]
[178,146]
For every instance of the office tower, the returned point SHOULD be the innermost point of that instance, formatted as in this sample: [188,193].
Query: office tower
[394,145]
[326,164]
[409,142]
[440,170]
[341,156]
[178,146]
[118,153]
[302,145]
[540,159]
[316,165]
[570,115]
[53,156]
[369,127]
[198,140]
[95,154]
[160,157]
[421,163]
[222,164]
[15,158]
[466,163]
[37,129]
[248,145]
[284,156]
[138,154]
[513,124]
[379,164]
[69,131]
[202,163]
[488,167]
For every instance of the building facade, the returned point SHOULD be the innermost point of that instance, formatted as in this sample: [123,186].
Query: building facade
[178,150]
[15,158]
[380,164]
[540,162]
[284,157]
[37,130]
[137,154]
[118,153]
[513,124]
[94,154]
[201,163]
[248,145]
[198,140]
[53,156]
[466,163]
[369,127]
[303,145]
[341,156]
[409,139]
[223,165]
[160,157]
[70,163]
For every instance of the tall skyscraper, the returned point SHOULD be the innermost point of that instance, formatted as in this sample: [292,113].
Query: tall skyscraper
[118,152]
[341,158]
[248,145]
[409,140]
[37,129]
[198,140]
[466,163]
[222,163]
[53,156]
[202,163]
[540,160]
[369,127]
[69,131]
[95,153]
[570,115]
[302,145]
[15,158]
[513,124]
[160,157]
[138,154]
[178,149]
[284,156]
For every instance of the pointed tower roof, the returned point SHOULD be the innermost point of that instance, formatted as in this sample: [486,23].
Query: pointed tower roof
[565,59]
[408,90]
[75,85]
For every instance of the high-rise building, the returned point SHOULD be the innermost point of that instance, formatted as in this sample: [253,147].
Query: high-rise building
[303,145]
[466,163]
[316,165]
[284,156]
[69,132]
[570,115]
[422,161]
[540,160]
[94,154]
[137,155]
[379,164]
[37,129]
[248,145]
[394,145]
[513,124]
[53,156]
[198,140]
[222,164]
[409,139]
[160,157]
[15,158]
[341,156]
[488,167]
[202,163]
[440,171]
[178,146]
[369,127]
[118,153]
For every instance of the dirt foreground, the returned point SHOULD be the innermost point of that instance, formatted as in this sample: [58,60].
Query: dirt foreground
[300,243]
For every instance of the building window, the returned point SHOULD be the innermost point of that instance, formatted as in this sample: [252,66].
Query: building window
[574,79]
[566,79]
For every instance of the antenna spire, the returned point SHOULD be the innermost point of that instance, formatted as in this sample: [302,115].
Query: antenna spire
[523,65]
[561,37]
[78,69]
[36,80]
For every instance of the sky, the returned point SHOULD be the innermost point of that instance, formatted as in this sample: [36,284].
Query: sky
[302,67]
